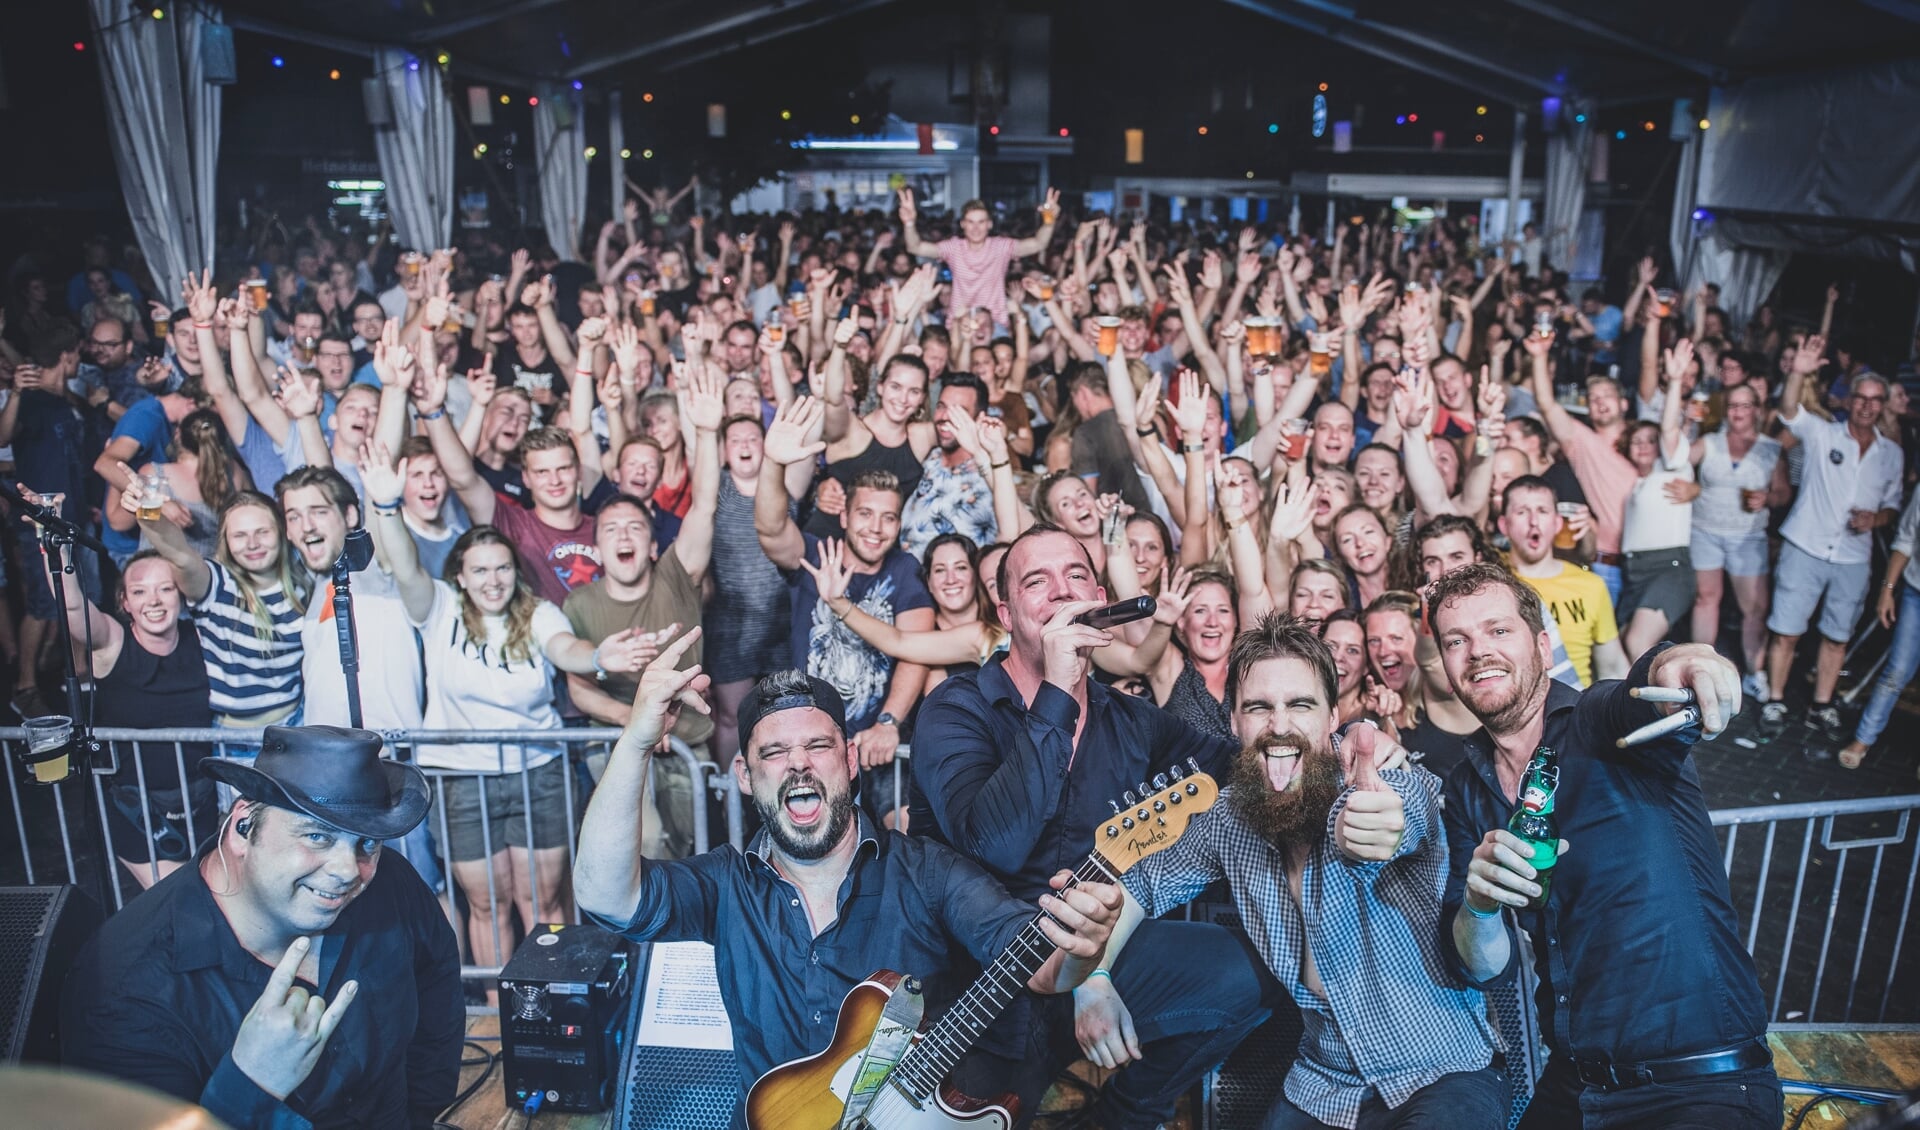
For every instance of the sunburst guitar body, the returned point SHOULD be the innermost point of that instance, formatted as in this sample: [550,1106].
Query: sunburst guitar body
[882,1071]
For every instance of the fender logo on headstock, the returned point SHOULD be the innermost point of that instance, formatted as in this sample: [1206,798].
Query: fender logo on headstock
[1153,820]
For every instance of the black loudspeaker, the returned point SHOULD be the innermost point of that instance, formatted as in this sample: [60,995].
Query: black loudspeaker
[679,1070]
[1236,1095]
[41,932]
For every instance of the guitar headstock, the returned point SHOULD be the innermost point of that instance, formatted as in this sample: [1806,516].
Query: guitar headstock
[1153,816]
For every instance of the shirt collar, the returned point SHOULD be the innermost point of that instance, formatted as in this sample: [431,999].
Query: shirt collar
[202,938]
[998,686]
[757,850]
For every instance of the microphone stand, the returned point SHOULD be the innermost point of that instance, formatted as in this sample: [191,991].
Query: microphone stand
[355,555]
[56,534]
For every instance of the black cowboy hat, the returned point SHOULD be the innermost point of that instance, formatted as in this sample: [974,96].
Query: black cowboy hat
[333,774]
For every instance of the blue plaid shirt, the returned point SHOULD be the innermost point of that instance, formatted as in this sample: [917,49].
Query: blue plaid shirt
[1394,1019]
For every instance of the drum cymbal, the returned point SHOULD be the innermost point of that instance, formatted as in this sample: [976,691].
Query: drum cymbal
[65,1099]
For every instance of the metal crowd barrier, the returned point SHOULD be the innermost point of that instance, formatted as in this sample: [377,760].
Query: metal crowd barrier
[1860,944]
[1858,905]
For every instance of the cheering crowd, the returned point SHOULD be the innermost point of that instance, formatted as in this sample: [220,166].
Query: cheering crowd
[814,439]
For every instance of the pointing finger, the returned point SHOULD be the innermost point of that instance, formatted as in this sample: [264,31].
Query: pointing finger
[330,1019]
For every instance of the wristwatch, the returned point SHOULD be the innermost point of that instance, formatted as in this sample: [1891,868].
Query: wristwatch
[886,719]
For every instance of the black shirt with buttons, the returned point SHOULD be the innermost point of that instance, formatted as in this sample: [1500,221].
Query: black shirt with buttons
[1638,950]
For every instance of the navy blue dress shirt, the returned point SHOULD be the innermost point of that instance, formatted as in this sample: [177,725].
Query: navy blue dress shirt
[905,905]
[1637,950]
[1005,785]
[157,997]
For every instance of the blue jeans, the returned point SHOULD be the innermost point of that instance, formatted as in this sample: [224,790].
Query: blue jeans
[1611,575]
[1194,990]
[1903,659]
[1464,1100]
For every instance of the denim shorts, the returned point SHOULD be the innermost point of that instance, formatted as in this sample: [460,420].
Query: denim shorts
[1801,580]
[1741,555]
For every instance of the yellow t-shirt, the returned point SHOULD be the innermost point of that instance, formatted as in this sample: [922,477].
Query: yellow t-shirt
[1578,600]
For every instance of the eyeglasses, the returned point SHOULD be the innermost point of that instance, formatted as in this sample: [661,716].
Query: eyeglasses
[1865,399]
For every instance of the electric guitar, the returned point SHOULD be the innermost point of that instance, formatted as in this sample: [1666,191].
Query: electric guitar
[882,1072]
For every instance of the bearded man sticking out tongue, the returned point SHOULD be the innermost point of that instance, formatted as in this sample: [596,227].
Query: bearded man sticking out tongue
[1337,863]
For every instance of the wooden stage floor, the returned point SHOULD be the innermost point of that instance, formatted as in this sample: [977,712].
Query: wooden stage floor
[1861,1058]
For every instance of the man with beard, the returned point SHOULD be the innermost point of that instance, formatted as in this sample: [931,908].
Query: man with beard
[820,890]
[1337,862]
[1016,763]
[953,495]
[1669,1028]
[320,506]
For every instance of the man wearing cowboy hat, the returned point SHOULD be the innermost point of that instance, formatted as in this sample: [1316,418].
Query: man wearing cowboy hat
[237,983]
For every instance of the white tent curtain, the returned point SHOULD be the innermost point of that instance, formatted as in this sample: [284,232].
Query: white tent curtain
[561,156]
[416,151]
[1569,155]
[1686,184]
[1746,275]
[164,123]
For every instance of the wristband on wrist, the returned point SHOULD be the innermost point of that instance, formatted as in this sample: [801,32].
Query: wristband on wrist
[389,509]
[1101,973]
[1009,462]
[203,325]
[436,414]
[1494,913]
[1192,448]
[1146,431]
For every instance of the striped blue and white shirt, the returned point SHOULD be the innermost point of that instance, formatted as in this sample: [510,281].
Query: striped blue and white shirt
[248,671]
[1394,1019]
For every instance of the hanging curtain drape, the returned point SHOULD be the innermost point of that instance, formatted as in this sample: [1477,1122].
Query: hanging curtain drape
[560,150]
[163,121]
[416,151]
[1746,275]
[1569,155]
[1685,189]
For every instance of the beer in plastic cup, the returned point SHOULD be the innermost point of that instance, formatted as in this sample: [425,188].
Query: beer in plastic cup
[257,294]
[1565,539]
[1697,405]
[1048,213]
[1109,336]
[154,493]
[1295,433]
[1260,337]
[49,747]
[1046,288]
[162,323]
[646,303]
[1753,500]
[1543,323]
[1320,353]
[776,333]
[1664,299]
[798,304]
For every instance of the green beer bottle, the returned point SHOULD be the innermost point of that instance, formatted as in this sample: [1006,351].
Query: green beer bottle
[1533,820]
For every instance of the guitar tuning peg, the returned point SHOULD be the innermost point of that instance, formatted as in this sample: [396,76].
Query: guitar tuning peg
[1193,765]
[1176,771]
[1143,790]
[1126,796]
[1115,805]
[1159,781]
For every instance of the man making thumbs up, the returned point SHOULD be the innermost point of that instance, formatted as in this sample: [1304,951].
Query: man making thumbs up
[298,975]
[1335,856]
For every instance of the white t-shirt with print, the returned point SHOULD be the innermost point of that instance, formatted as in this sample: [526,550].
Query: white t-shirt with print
[473,687]
[391,685]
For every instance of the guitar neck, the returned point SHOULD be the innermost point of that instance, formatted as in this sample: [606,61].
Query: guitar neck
[938,1052]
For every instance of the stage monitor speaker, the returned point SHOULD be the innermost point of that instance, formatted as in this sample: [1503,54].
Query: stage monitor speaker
[1236,1095]
[679,1070]
[41,932]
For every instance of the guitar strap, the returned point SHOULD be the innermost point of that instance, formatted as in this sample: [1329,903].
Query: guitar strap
[892,1036]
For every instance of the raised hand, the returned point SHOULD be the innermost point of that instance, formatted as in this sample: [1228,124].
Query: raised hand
[296,397]
[1811,355]
[591,331]
[1146,406]
[1679,358]
[1369,828]
[1491,397]
[383,480]
[908,210]
[481,385]
[236,314]
[626,348]
[663,689]
[281,1037]
[1713,679]
[1176,591]
[1190,414]
[991,434]
[833,574]
[392,362]
[705,400]
[1293,509]
[1412,399]
[844,331]
[1051,205]
[786,441]
[203,302]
